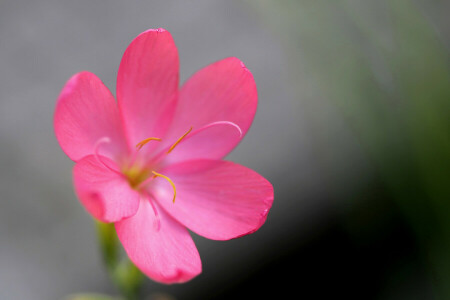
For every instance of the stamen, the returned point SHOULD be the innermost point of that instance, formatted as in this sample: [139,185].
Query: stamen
[164,152]
[170,181]
[103,140]
[143,142]
[179,140]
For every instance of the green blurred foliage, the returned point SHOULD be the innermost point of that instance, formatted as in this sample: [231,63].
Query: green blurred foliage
[90,297]
[125,275]
[382,64]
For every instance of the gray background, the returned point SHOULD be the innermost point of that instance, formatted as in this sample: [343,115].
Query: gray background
[48,246]
[47,241]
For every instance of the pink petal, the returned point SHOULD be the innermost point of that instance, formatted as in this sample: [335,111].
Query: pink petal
[147,83]
[223,91]
[85,112]
[104,193]
[219,200]
[165,253]
[207,142]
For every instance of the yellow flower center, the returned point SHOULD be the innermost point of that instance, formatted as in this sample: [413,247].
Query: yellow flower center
[138,177]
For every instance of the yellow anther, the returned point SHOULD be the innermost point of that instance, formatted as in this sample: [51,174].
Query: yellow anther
[143,142]
[170,181]
[178,141]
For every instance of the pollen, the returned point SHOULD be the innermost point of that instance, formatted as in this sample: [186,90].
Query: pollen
[170,181]
[178,141]
[145,141]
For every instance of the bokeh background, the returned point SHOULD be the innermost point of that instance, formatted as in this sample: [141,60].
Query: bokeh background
[352,129]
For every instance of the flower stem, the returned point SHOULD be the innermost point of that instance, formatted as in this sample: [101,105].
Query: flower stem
[124,274]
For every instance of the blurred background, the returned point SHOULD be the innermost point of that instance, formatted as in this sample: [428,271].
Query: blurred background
[352,129]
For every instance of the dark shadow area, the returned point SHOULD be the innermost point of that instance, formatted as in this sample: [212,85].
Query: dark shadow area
[353,256]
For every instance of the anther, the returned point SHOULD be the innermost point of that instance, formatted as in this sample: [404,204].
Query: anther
[143,142]
[170,181]
[178,141]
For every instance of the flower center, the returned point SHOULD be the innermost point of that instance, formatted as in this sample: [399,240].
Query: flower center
[139,177]
[136,176]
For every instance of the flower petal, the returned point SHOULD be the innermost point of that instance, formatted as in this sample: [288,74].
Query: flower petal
[147,83]
[219,200]
[222,91]
[206,142]
[104,193]
[166,252]
[85,112]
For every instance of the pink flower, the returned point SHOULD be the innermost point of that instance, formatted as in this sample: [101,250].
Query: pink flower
[152,163]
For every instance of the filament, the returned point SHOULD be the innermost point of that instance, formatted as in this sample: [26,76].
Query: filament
[178,141]
[145,141]
[161,154]
[170,181]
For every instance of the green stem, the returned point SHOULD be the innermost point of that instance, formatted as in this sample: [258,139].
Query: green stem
[124,274]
